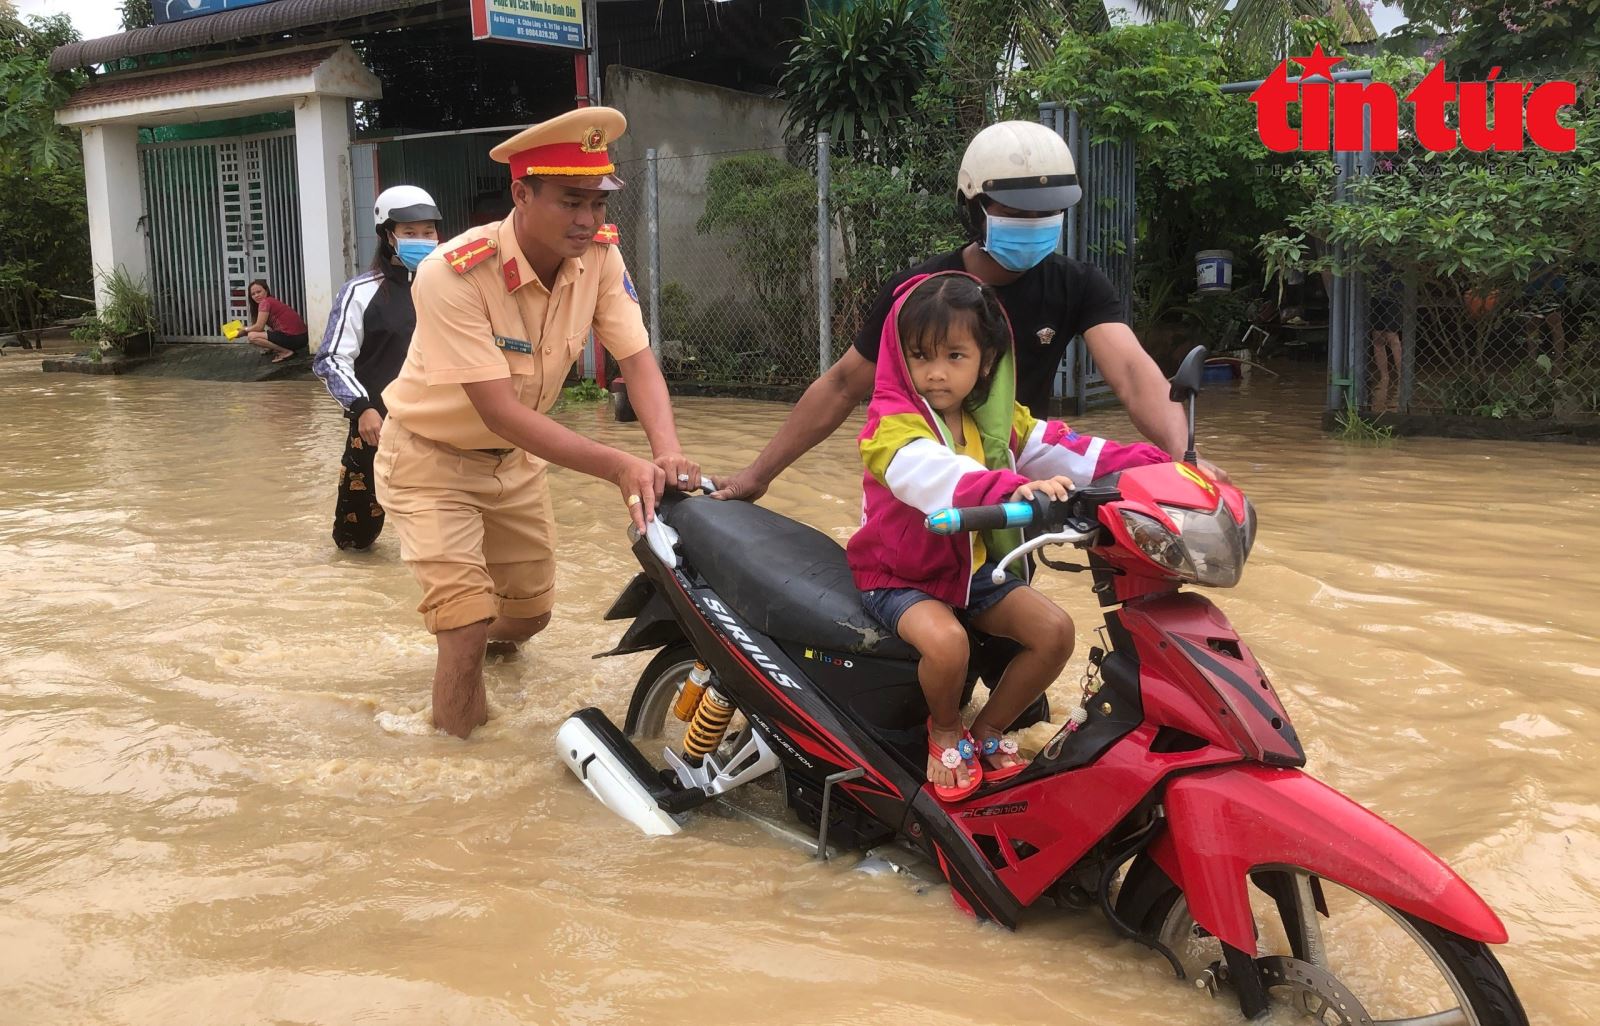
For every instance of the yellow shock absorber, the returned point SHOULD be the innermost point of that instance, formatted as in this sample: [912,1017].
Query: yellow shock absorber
[710,723]
[690,690]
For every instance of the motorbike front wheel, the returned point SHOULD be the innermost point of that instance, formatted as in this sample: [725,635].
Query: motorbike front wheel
[1364,962]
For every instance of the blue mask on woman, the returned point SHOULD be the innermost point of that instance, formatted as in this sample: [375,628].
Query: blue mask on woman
[411,251]
[1019,243]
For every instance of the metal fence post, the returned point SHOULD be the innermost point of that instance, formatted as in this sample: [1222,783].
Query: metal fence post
[1338,343]
[824,260]
[652,203]
[1408,339]
[1074,247]
[1363,164]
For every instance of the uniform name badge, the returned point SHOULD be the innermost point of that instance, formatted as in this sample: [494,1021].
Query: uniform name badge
[514,345]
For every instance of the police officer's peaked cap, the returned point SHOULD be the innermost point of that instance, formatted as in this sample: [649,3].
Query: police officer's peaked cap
[571,149]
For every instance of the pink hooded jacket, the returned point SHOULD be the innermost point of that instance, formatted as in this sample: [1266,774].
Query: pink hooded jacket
[912,470]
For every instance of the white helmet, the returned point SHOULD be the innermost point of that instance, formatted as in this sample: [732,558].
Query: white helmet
[402,203]
[1022,165]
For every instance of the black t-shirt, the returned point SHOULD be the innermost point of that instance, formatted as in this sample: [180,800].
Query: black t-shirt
[1048,305]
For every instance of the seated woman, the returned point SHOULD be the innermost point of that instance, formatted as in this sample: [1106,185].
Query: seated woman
[273,325]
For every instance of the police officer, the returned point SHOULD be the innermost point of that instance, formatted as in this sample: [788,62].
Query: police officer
[1015,182]
[502,312]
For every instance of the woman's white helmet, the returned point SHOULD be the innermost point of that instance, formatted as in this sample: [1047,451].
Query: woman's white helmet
[1021,164]
[402,203]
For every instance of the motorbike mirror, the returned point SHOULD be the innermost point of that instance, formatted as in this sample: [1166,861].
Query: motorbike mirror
[1186,383]
[1185,386]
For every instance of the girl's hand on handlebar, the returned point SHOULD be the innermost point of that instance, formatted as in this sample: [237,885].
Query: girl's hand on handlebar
[1052,487]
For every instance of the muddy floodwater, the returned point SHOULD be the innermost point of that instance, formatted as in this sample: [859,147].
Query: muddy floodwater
[221,803]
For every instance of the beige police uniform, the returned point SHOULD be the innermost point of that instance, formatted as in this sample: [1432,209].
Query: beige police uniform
[472,513]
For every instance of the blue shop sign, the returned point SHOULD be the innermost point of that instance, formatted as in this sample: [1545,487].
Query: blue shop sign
[536,22]
[167,11]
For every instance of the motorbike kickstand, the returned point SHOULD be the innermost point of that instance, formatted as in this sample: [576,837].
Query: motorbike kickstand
[827,800]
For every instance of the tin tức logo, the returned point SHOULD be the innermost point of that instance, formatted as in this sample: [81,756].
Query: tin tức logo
[1490,115]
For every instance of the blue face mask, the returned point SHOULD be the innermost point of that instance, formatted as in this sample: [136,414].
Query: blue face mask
[1018,243]
[411,251]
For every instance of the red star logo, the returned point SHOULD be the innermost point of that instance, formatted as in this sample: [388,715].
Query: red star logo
[1318,64]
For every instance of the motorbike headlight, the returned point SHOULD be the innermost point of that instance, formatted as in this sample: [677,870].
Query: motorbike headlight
[1160,544]
[1213,542]
[1249,526]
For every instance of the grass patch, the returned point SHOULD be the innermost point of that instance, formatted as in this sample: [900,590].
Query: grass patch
[584,392]
[1353,427]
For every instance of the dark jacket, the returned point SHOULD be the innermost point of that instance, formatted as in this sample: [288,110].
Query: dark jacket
[368,334]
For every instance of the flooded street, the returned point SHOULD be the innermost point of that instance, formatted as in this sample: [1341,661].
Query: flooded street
[221,802]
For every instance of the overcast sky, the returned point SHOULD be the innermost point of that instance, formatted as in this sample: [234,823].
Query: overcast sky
[93,19]
[96,18]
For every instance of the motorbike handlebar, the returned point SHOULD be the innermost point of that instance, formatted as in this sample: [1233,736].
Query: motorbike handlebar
[1036,512]
[956,519]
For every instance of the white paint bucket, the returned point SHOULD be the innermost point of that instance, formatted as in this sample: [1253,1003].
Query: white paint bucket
[1213,270]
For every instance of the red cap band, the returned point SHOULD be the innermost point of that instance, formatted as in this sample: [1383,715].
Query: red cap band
[566,159]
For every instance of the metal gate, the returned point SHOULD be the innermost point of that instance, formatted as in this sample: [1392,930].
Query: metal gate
[1100,231]
[219,214]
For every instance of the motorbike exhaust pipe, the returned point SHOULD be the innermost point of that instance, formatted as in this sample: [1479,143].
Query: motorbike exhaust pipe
[598,754]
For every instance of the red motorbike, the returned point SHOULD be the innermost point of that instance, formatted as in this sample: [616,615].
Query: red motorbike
[1173,798]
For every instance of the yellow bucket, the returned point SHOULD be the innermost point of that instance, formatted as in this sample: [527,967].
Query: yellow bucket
[232,330]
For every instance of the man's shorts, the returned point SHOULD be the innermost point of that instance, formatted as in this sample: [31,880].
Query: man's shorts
[475,527]
[888,605]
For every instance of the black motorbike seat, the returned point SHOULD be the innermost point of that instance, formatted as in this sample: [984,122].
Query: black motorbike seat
[785,579]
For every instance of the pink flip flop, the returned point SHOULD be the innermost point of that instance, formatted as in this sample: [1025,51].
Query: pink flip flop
[965,750]
[1001,746]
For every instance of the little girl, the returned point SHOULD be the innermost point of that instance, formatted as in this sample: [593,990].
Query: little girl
[944,429]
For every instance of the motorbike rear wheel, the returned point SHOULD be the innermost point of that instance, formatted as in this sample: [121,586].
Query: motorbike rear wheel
[651,725]
[1380,966]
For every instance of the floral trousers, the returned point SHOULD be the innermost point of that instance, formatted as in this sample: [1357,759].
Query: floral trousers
[357,517]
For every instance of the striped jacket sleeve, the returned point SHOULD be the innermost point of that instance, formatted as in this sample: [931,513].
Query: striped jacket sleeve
[341,344]
[1050,448]
[923,472]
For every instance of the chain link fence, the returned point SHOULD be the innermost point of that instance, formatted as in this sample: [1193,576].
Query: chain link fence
[1528,351]
[723,250]
[753,277]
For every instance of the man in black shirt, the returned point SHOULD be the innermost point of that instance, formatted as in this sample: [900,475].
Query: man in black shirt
[1016,180]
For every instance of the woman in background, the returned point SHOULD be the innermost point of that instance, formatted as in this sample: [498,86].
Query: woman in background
[273,325]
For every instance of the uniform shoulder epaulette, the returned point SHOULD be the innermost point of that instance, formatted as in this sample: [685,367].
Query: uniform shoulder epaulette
[465,258]
[607,235]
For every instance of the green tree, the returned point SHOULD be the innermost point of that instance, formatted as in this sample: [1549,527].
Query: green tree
[1471,229]
[988,42]
[886,224]
[767,208]
[1262,32]
[137,14]
[855,73]
[44,237]
[1204,180]
[1462,220]
[1527,38]
[29,135]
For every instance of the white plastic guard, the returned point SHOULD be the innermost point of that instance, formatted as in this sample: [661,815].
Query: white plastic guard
[608,780]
